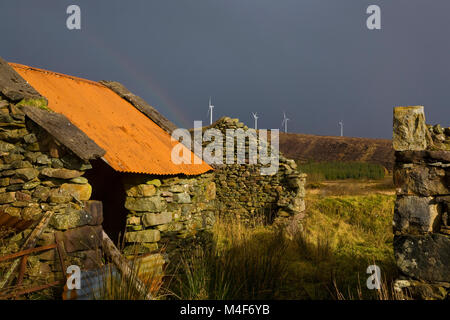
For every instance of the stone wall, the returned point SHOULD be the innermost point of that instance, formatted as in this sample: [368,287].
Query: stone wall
[37,175]
[243,192]
[421,222]
[167,211]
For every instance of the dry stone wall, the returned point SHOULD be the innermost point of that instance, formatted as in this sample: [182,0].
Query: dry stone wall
[421,218]
[37,175]
[167,211]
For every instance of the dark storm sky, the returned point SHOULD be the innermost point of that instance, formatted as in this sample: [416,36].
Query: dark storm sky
[314,59]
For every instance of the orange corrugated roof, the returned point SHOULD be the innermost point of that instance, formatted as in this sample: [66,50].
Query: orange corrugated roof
[133,142]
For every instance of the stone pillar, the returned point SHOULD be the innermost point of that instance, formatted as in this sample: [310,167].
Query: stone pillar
[421,224]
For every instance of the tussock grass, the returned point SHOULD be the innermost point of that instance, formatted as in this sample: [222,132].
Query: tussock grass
[242,263]
[327,259]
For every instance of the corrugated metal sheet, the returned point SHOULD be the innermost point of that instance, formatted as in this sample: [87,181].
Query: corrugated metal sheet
[133,142]
[94,284]
[150,268]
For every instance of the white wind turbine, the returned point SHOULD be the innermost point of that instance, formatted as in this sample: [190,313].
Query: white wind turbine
[341,124]
[255,116]
[210,111]
[285,120]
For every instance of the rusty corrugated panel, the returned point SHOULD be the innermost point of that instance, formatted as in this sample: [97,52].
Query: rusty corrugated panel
[150,268]
[133,142]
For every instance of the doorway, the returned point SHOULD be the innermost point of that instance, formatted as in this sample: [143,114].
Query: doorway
[107,187]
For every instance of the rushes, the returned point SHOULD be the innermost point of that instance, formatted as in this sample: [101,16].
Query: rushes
[242,263]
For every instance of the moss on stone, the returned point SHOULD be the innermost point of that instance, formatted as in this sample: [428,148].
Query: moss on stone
[39,103]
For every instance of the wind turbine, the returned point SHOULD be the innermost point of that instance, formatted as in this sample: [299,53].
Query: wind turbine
[285,120]
[341,123]
[255,115]
[210,111]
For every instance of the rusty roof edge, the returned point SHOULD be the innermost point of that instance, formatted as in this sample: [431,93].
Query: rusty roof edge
[165,174]
[156,173]
[25,67]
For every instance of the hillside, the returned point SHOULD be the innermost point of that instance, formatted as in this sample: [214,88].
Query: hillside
[306,147]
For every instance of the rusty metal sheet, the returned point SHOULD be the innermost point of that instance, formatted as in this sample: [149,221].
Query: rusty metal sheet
[27,252]
[13,222]
[150,268]
[132,141]
[15,293]
[82,238]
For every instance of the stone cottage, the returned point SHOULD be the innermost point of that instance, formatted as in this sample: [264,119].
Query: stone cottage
[97,159]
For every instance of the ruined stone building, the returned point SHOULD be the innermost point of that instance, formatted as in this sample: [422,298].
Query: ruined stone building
[421,218]
[243,192]
[96,160]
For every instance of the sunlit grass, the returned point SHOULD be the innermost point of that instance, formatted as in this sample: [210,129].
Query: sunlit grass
[341,237]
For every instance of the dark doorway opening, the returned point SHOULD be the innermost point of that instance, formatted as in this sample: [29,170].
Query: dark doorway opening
[107,187]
